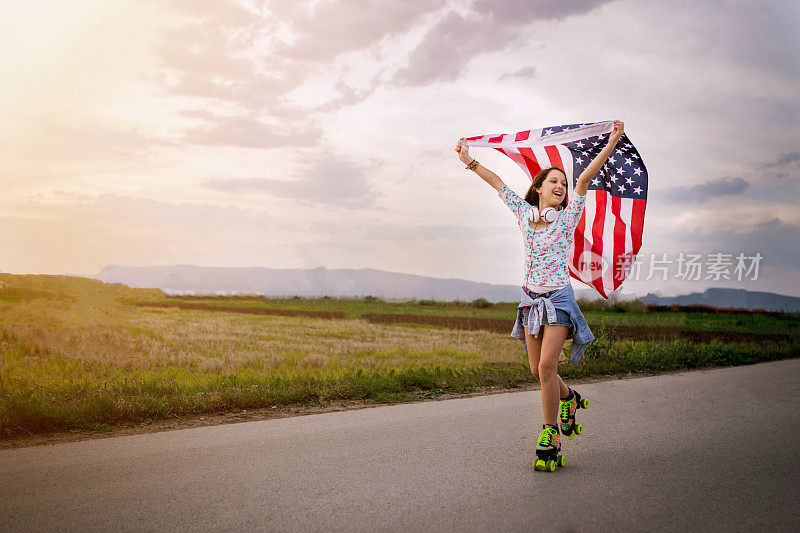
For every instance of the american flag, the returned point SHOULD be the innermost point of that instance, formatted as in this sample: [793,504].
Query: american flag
[609,234]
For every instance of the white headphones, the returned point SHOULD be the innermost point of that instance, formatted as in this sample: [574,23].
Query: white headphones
[548,213]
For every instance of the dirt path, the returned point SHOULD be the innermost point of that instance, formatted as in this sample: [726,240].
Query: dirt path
[615,332]
[245,310]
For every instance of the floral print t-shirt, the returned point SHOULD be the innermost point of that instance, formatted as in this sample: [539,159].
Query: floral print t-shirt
[546,248]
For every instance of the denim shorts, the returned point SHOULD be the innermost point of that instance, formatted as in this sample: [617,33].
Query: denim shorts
[562,317]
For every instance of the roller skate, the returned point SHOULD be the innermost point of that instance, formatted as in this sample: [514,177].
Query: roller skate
[547,450]
[566,409]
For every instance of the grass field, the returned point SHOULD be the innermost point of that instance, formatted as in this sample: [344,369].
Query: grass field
[76,353]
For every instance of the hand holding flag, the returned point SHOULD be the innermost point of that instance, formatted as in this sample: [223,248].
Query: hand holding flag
[463,151]
[617,132]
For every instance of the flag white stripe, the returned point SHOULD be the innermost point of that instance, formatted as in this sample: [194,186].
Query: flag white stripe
[566,160]
[589,210]
[515,156]
[542,157]
[589,226]
[574,134]
[627,218]
[536,138]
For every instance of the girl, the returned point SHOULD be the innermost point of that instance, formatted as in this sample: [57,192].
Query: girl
[547,220]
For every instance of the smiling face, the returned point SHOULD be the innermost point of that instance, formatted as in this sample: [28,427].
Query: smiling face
[553,189]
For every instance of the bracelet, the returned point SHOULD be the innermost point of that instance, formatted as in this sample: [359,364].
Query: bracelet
[473,165]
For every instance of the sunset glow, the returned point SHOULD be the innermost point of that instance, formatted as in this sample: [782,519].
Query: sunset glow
[291,135]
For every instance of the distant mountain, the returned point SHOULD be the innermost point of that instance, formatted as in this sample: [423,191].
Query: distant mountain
[188,279]
[730,298]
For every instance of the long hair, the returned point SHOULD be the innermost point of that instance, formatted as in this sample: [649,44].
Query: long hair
[532,197]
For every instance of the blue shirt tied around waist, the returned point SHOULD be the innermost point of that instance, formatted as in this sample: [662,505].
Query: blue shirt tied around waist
[563,299]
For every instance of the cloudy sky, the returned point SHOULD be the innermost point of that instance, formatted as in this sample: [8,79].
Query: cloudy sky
[304,134]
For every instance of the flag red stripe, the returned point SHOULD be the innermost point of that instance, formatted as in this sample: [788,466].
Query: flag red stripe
[579,243]
[597,236]
[554,156]
[495,139]
[637,224]
[619,242]
[530,161]
[599,217]
[522,135]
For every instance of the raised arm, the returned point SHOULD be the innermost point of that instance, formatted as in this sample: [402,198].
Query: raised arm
[600,159]
[488,176]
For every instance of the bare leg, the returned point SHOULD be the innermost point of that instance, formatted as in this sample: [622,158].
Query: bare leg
[553,386]
[534,345]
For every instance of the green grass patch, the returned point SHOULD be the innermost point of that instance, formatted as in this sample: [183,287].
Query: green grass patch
[65,395]
[76,354]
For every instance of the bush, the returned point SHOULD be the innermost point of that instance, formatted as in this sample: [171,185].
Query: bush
[482,303]
[613,305]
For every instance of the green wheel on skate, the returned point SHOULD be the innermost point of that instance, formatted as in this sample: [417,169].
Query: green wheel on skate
[561,461]
[584,403]
[579,429]
[571,436]
[538,464]
[551,465]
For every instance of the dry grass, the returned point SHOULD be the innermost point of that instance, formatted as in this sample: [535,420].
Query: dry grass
[82,320]
[74,318]
[76,351]
[220,342]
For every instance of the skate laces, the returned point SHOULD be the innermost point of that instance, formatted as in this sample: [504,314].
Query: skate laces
[565,405]
[546,436]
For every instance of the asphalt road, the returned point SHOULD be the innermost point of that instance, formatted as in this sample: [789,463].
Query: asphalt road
[714,449]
